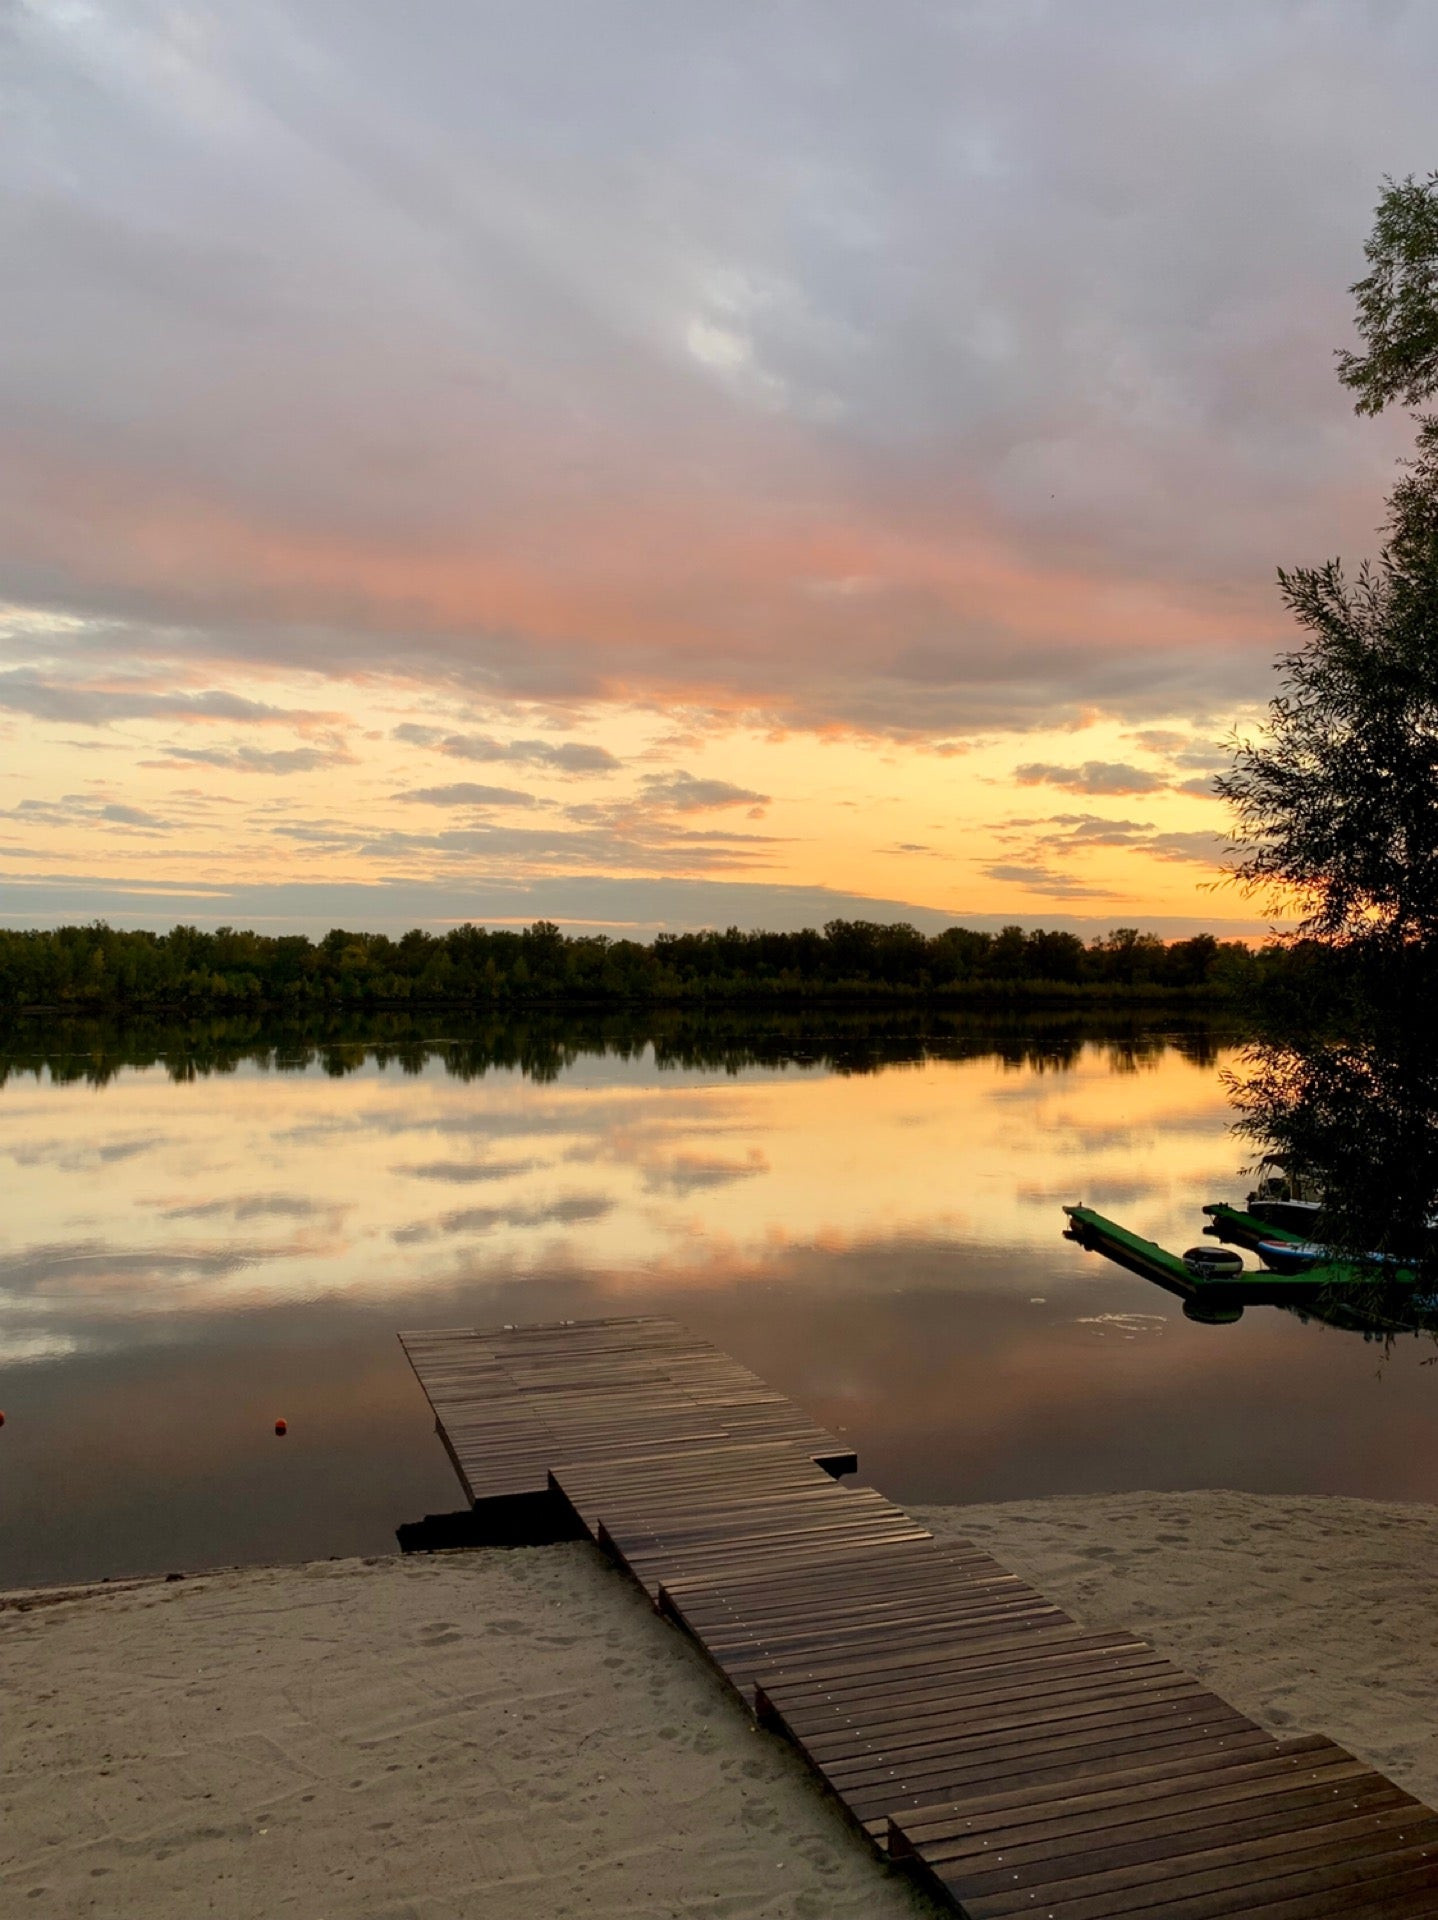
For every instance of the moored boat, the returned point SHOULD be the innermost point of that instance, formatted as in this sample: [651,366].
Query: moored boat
[1288,1252]
[1292,1256]
[1241,1228]
[1286,1196]
[1374,1299]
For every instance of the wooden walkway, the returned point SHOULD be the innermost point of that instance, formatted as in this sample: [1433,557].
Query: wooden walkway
[1021,1763]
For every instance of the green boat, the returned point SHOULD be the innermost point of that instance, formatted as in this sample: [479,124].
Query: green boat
[1244,1230]
[1352,1295]
[1240,1229]
[1213,1298]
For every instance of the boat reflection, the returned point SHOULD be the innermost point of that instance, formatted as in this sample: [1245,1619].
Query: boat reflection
[1341,1221]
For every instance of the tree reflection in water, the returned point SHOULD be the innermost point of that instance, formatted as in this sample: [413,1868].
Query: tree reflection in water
[544,1046]
[1347,1095]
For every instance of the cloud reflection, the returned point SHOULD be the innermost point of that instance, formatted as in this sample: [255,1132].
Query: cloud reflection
[688,1173]
[877,1243]
[571,1210]
[693,1173]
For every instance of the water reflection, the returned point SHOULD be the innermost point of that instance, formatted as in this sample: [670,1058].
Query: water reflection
[1338,1098]
[543,1047]
[206,1229]
[1349,1101]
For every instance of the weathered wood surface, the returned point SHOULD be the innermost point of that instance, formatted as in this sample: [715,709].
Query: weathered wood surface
[514,1402]
[1022,1763]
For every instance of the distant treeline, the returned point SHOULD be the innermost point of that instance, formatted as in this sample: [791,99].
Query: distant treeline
[98,968]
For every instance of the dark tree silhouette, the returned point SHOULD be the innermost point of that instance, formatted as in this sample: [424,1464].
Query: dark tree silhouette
[1352,1100]
[100,968]
[1336,802]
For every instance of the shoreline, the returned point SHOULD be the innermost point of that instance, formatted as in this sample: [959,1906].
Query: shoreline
[515,1732]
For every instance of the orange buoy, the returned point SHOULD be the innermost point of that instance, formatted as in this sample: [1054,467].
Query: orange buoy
[282,1426]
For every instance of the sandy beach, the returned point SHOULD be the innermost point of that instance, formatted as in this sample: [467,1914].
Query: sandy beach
[516,1733]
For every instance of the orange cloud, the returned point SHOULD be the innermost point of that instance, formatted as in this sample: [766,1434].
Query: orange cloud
[653,594]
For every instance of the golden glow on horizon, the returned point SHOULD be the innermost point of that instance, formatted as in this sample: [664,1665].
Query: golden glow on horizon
[317,794]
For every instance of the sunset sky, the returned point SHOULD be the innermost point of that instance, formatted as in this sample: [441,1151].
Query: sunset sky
[669,465]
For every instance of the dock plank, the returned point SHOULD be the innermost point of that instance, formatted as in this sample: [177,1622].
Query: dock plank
[1019,1762]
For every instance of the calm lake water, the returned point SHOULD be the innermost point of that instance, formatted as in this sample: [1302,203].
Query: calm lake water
[870,1219]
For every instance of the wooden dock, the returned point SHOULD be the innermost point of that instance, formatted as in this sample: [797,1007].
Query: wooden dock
[1021,1763]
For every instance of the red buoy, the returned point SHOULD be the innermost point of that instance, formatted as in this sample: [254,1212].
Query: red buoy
[2,1419]
[282,1426]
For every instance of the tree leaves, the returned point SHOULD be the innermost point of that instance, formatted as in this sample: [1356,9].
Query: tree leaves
[1398,301]
[1336,802]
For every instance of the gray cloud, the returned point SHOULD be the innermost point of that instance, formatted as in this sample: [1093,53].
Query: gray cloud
[1068,833]
[1206,848]
[569,756]
[1096,829]
[635,906]
[466,793]
[687,793]
[1185,753]
[130,816]
[1051,289]
[279,760]
[1094,776]
[77,809]
[1183,750]
[467,1172]
[1039,878]
[25,692]
[631,844]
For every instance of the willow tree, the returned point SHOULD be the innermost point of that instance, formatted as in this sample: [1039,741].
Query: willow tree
[1336,799]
